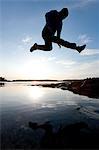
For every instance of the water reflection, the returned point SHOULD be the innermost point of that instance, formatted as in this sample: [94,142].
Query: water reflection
[20,104]
[35,92]
[2,84]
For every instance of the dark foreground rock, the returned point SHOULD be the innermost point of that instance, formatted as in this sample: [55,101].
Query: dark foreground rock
[77,135]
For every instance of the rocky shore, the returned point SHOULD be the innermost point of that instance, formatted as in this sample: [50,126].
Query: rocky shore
[88,87]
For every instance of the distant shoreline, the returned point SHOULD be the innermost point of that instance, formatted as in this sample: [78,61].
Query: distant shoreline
[44,80]
[88,87]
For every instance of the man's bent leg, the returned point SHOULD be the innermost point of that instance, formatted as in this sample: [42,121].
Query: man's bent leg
[46,47]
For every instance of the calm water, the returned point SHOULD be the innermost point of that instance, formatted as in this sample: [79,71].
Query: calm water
[21,103]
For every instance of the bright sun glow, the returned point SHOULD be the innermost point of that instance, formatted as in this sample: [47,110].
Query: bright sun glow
[35,92]
[36,69]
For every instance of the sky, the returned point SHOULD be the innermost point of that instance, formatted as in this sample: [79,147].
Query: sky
[21,26]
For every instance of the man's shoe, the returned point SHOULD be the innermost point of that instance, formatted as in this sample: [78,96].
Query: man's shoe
[34,47]
[80,48]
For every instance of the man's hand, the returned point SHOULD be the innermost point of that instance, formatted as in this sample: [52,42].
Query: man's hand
[58,36]
[59,45]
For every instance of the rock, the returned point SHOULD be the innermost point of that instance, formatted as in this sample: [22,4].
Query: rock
[87,87]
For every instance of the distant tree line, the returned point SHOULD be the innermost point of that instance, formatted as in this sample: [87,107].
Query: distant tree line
[2,79]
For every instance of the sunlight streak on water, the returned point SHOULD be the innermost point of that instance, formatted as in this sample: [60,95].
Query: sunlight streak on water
[35,93]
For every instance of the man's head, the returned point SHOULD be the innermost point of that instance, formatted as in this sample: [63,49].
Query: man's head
[63,13]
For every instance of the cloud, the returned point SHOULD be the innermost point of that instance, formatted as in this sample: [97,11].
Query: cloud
[66,62]
[89,69]
[46,59]
[82,3]
[27,40]
[84,70]
[89,52]
[84,39]
[50,59]
[85,2]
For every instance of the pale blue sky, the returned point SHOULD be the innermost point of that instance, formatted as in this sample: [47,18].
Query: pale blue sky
[22,22]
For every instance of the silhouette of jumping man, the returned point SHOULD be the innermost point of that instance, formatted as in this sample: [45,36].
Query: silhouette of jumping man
[54,21]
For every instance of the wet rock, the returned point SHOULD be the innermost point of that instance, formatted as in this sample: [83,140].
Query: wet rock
[87,87]
[77,135]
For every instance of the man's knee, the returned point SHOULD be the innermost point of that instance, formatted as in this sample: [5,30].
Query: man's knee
[48,48]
